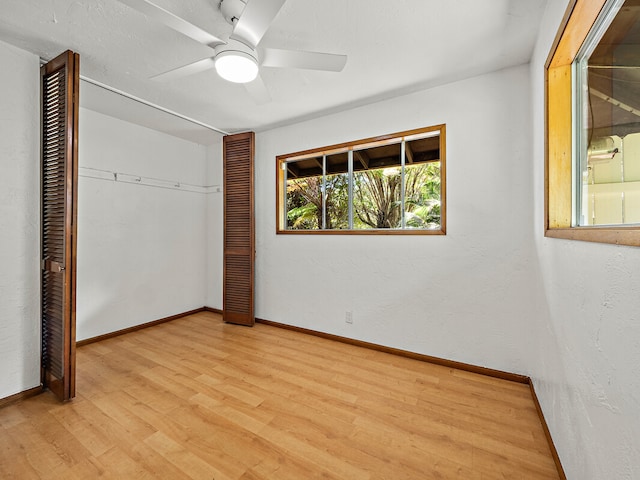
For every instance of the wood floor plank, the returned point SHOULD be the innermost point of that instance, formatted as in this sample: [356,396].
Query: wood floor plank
[75,425]
[13,459]
[42,457]
[221,440]
[90,468]
[181,457]
[196,398]
[119,464]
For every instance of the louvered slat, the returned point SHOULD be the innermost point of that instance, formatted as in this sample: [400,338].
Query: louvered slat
[53,220]
[238,284]
[238,229]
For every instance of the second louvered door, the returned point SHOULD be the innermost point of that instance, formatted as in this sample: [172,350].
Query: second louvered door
[60,80]
[239,246]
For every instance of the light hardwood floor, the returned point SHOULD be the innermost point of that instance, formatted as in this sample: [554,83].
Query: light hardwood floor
[196,398]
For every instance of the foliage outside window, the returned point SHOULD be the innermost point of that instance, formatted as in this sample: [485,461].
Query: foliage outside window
[389,184]
[593,124]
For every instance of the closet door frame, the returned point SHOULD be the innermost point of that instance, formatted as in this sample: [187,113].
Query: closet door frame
[60,82]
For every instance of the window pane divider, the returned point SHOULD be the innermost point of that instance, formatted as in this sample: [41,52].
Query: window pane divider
[350,196]
[403,222]
[324,192]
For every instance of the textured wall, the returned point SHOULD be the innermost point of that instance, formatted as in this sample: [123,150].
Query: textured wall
[19,220]
[464,296]
[141,249]
[587,370]
[215,221]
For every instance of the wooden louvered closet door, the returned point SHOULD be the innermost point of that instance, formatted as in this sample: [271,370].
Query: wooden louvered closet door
[60,80]
[239,246]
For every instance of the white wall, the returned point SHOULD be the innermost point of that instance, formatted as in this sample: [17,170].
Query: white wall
[141,249]
[464,296]
[19,221]
[587,371]
[215,222]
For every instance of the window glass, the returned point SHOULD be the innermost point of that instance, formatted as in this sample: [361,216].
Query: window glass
[337,191]
[607,126]
[377,187]
[422,183]
[304,194]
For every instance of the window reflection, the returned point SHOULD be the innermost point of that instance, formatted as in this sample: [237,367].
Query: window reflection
[608,118]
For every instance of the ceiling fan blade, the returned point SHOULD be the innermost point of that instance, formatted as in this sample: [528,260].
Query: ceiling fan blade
[173,21]
[255,20]
[275,57]
[190,69]
[258,91]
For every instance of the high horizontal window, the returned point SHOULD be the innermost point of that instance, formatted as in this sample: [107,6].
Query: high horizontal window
[389,184]
[593,132]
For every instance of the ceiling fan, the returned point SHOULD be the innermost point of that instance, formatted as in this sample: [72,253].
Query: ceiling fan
[239,58]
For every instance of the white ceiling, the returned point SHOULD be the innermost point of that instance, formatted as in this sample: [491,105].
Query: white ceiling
[393,47]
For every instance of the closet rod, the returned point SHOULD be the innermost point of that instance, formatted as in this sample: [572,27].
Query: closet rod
[149,104]
[144,102]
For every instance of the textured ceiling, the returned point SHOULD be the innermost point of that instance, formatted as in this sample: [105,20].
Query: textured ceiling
[393,47]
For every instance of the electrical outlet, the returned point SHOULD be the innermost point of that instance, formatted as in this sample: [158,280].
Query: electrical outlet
[348,316]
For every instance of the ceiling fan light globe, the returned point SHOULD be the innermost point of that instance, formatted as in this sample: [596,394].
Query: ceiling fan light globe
[237,67]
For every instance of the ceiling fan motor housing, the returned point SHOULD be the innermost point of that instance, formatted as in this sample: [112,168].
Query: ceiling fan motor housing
[232,9]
